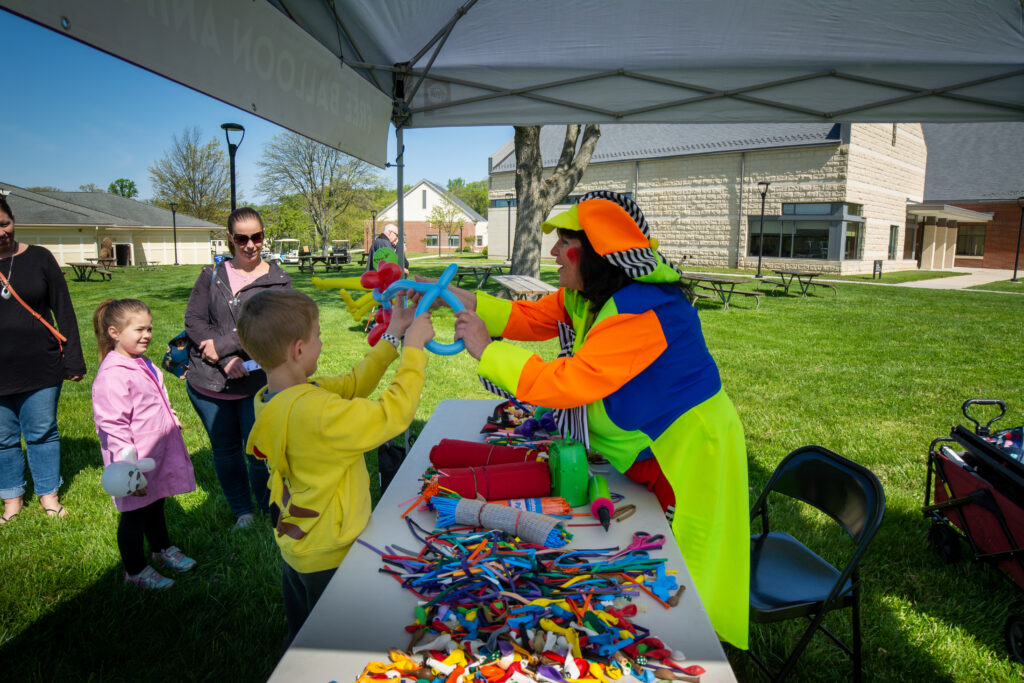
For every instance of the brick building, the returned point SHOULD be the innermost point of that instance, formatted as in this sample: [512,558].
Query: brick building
[469,229]
[976,168]
[836,201]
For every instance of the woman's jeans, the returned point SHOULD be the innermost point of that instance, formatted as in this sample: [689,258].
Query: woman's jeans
[228,423]
[34,414]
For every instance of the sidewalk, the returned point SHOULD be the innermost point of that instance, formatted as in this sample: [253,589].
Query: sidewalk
[970,278]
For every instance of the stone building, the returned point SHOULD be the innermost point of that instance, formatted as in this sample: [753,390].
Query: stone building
[73,225]
[836,198]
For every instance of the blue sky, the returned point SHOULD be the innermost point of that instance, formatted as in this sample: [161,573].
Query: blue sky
[72,115]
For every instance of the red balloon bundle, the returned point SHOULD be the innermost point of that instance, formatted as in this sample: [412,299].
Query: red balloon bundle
[498,482]
[379,280]
[458,453]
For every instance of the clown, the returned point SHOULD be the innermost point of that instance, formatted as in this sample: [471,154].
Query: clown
[635,382]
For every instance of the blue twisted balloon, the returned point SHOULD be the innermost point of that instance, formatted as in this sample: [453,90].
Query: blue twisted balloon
[430,292]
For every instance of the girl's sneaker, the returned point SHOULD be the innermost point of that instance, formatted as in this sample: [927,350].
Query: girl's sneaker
[173,558]
[149,578]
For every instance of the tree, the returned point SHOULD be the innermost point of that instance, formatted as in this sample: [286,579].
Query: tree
[124,187]
[194,175]
[329,181]
[473,194]
[445,217]
[90,187]
[44,188]
[287,218]
[536,195]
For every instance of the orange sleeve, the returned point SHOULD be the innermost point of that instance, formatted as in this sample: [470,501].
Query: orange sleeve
[616,350]
[537,320]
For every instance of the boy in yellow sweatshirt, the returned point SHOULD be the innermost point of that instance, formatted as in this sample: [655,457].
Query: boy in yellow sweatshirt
[313,433]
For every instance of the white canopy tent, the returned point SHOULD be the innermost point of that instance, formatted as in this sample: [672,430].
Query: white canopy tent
[339,71]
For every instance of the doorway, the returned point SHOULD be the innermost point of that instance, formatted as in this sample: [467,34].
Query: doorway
[123,253]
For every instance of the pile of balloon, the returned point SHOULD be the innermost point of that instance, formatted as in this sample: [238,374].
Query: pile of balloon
[382,286]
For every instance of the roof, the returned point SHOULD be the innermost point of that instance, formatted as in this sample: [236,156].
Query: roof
[463,206]
[92,208]
[630,142]
[974,161]
[952,213]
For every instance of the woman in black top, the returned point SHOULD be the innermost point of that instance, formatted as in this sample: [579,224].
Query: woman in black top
[34,368]
[220,387]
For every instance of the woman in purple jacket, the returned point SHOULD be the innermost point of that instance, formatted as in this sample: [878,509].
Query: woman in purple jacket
[219,385]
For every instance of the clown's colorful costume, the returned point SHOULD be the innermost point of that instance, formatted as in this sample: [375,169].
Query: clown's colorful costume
[655,409]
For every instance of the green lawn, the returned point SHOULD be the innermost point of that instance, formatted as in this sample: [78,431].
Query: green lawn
[1004,285]
[874,373]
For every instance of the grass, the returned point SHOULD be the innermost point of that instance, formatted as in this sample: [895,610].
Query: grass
[1004,286]
[875,374]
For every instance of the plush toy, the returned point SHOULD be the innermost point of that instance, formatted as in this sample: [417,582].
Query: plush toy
[124,476]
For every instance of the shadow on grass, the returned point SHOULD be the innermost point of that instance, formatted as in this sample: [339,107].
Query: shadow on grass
[883,629]
[199,629]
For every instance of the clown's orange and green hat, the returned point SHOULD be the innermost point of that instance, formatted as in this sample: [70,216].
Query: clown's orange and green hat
[618,231]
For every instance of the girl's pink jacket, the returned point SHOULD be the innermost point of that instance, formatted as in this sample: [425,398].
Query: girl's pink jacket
[131,408]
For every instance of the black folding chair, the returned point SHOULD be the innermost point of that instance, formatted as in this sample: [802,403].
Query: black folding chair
[787,579]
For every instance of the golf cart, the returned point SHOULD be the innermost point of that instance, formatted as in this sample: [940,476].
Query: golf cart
[340,251]
[288,249]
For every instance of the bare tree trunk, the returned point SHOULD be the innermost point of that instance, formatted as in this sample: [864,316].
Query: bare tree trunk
[536,196]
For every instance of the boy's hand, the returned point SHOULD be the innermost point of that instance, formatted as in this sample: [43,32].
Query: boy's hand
[420,332]
[401,318]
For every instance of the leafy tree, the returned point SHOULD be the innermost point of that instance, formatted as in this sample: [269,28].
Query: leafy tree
[90,187]
[445,217]
[124,187]
[195,175]
[474,194]
[329,182]
[287,218]
[537,195]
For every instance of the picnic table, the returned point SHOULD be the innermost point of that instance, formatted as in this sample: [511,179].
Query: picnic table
[363,612]
[524,286]
[83,270]
[480,273]
[723,286]
[309,262]
[103,262]
[804,278]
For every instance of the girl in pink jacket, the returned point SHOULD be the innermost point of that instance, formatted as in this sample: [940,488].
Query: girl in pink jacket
[131,408]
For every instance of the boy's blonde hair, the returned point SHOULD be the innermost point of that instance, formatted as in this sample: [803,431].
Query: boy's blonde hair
[271,320]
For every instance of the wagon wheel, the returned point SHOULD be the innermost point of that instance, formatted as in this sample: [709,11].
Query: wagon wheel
[945,542]
[1014,631]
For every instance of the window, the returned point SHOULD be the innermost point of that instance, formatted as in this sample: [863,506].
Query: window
[910,242]
[430,240]
[894,237]
[424,199]
[503,203]
[479,240]
[790,239]
[807,209]
[453,241]
[970,240]
[854,233]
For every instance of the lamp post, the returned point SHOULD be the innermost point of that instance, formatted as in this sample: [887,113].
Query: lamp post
[174,222]
[1016,255]
[760,240]
[508,235]
[232,148]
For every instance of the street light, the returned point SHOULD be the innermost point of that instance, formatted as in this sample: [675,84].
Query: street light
[508,235]
[232,148]
[1016,255]
[760,240]
[174,221]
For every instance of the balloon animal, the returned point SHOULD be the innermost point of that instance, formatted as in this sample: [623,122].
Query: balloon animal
[124,476]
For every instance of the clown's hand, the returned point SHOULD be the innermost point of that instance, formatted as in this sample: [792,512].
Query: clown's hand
[471,329]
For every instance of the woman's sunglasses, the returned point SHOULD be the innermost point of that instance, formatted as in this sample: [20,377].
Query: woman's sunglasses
[242,240]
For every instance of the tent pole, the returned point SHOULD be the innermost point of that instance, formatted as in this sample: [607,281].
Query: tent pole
[400,172]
